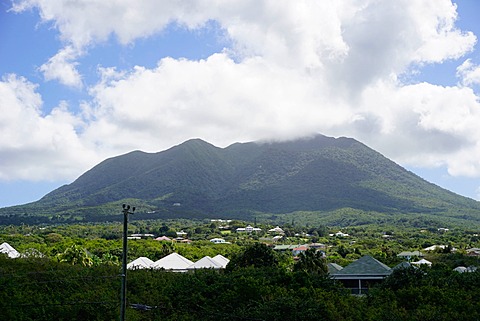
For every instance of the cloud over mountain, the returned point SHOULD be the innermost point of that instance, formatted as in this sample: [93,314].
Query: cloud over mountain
[287,70]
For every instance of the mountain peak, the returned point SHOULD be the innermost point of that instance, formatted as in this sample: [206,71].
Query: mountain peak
[318,174]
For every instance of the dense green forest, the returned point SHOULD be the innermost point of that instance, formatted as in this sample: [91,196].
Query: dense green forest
[73,272]
[334,181]
[40,289]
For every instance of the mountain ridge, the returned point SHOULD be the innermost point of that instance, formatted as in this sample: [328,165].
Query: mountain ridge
[316,174]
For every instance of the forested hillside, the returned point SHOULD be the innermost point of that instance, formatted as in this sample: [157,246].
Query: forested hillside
[317,177]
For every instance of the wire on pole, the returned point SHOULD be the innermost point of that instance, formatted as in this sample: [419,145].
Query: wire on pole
[123,303]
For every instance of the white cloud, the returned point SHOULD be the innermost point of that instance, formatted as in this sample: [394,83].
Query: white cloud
[469,73]
[423,125]
[301,32]
[294,68]
[216,99]
[36,146]
[85,22]
[62,67]
[440,40]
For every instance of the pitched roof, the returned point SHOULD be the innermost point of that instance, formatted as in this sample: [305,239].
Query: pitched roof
[423,261]
[301,248]
[173,261]
[140,263]
[283,247]
[221,259]
[276,230]
[410,254]
[163,238]
[333,267]
[205,263]
[434,247]
[402,265]
[9,250]
[365,266]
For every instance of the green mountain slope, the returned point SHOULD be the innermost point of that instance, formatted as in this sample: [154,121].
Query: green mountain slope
[196,179]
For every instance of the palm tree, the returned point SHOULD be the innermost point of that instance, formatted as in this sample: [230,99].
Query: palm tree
[311,261]
[76,255]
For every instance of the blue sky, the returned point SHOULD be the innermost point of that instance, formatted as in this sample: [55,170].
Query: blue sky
[83,81]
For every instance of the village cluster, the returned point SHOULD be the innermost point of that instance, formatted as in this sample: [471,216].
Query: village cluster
[357,276]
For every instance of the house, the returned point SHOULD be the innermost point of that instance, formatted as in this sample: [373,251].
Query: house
[438,247]
[339,234]
[407,255]
[317,246]
[361,274]
[462,269]
[206,263]
[277,230]
[285,247]
[173,262]
[299,249]
[248,229]
[333,268]
[9,250]
[277,237]
[143,235]
[163,238]
[473,251]
[181,234]
[140,263]
[223,261]
[219,241]
[422,262]
[403,265]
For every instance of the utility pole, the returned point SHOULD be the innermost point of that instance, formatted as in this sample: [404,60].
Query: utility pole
[123,304]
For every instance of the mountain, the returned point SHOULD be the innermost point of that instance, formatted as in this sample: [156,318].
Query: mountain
[335,179]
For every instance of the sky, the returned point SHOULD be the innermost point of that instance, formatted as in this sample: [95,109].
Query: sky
[82,81]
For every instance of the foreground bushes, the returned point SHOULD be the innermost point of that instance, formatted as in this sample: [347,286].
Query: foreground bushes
[45,290]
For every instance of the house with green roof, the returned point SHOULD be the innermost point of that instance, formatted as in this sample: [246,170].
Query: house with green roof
[361,274]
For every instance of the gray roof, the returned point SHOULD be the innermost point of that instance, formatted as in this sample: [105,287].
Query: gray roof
[333,268]
[365,267]
[403,265]
[283,247]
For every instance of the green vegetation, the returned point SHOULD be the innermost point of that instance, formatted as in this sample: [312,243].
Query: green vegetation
[71,240]
[261,285]
[318,181]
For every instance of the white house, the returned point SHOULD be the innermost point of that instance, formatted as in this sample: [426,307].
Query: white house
[249,229]
[223,261]
[9,250]
[276,230]
[219,241]
[422,261]
[206,263]
[181,233]
[173,262]
[140,263]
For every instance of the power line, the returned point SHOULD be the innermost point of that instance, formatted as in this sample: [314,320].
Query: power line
[56,304]
[58,280]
